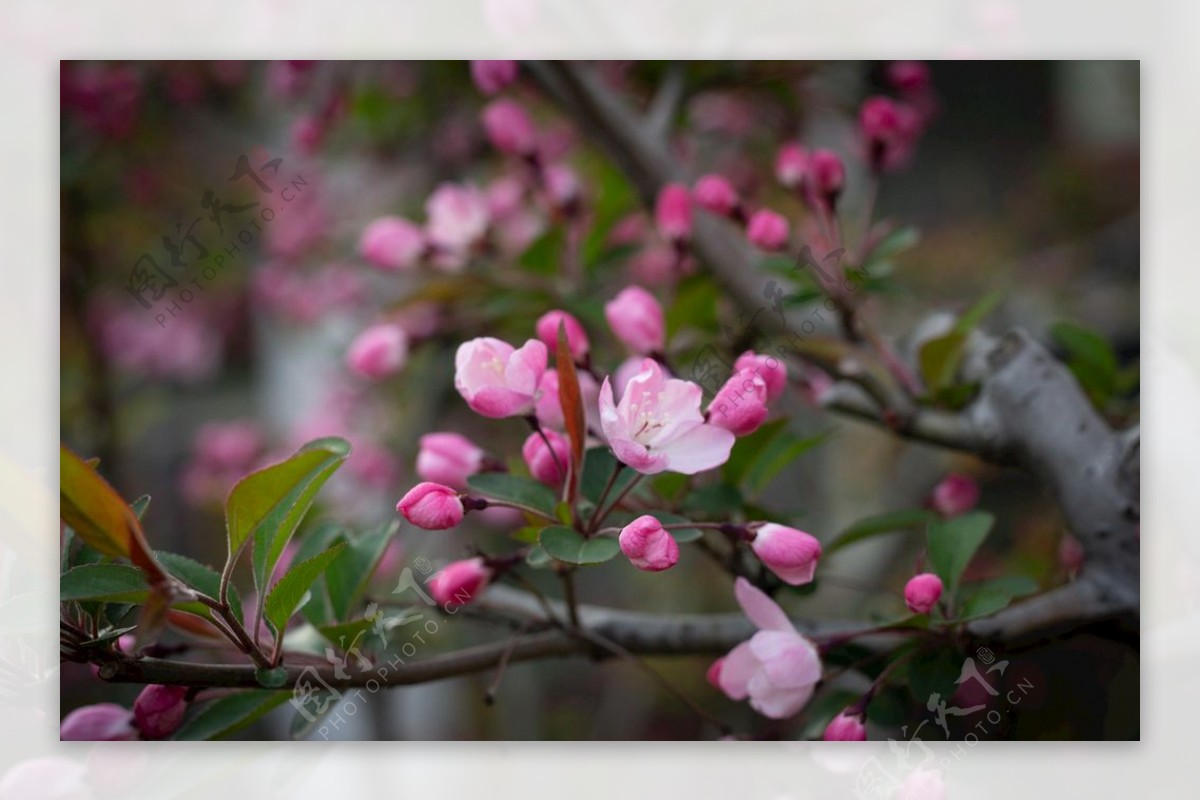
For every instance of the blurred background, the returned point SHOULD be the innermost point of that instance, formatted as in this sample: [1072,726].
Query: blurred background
[181,375]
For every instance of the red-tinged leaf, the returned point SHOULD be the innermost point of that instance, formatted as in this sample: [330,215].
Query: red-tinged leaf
[571,401]
[101,517]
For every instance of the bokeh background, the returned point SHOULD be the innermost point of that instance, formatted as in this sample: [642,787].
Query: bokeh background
[1027,181]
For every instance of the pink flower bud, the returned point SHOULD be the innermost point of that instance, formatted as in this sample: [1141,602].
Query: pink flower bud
[828,174]
[448,458]
[879,119]
[498,380]
[715,194]
[954,495]
[98,722]
[740,406]
[392,244]
[548,464]
[789,553]
[159,709]
[431,506]
[846,726]
[636,319]
[509,128]
[648,545]
[459,582]
[379,351]
[673,212]
[713,674]
[791,165]
[767,230]
[492,76]
[922,592]
[547,332]
[908,76]
[771,370]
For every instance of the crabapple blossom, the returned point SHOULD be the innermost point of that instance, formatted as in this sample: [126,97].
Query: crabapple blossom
[491,77]
[98,722]
[658,426]
[547,463]
[498,380]
[577,338]
[673,212]
[777,668]
[922,592]
[636,318]
[158,710]
[392,243]
[740,406]
[772,371]
[509,128]
[787,552]
[459,582]
[457,217]
[648,545]
[562,186]
[767,230]
[431,506]
[448,458]
[378,352]
[791,165]
[846,726]
[828,174]
[954,495]
[715,194]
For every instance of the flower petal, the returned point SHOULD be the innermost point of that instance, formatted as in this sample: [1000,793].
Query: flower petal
[702,448]
[739,667]
[762,611]
[776,702]
[788,659]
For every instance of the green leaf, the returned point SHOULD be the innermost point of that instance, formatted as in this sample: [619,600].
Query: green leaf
[934,672]
[778,454]
[713,500]
[1091,359]
[230,713]
[598,466]
[983,598]
[973,316]
[524,492]
[746,450]
[200,577]
[103,582]
[885,523]
[568,545]
[894,243]
[695,306]
[953,542]
[348,577]
[939,358]
[288,593]
[537,557]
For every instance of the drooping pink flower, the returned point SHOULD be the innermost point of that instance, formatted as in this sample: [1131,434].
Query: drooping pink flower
[777,668]
[509,128]
[846,726]
[828,174]
[648,545]
[431,506]
[547,331]
[636,318]
[771,370]
[491,77]
[448,458]
[459,582]
[954,495]
[457,217]
[767,230]
[498,380]
[392,243]
[547,463]
[673,212]
[787,552]
[740,406]
[379,351]
[714,193]
[158,710]
[658,426]
[791,165]
[922,592]
[98,722]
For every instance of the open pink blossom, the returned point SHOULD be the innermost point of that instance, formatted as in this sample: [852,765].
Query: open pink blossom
[648,545]
[459,582]
[547,463]
[658,426]
[392,243]
[922,592]
[740,406]
[431,506]
[772,371]
[636,317]
[498,380]
[788,552]
[577,338]
[777,668]
[509,128]
[954,495]
[448,458]
[492,76]
[378,352]
[457,217]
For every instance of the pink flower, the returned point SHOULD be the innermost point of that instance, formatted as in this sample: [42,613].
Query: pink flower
[561,185]
[497,380]
[379,351]
[492,76]
[547,332]
[549,407]
[98,722]
[715,194]
[673,212]
[767,230]
[777,668]
[459,582]
[648,545]
[458,217]
[626,371]
[392,244]
[922,592]
[509,128]
[448,458]
[158,710]
[431,506]
[890,131]
[657,425]
[791,165]
[231,445]
[548,464]
[504,197]
[636,319]
[789,553]
[828,174]
[713,674]
[879,120]
[954,495]
[740,406]
[771,370]
[846,726]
